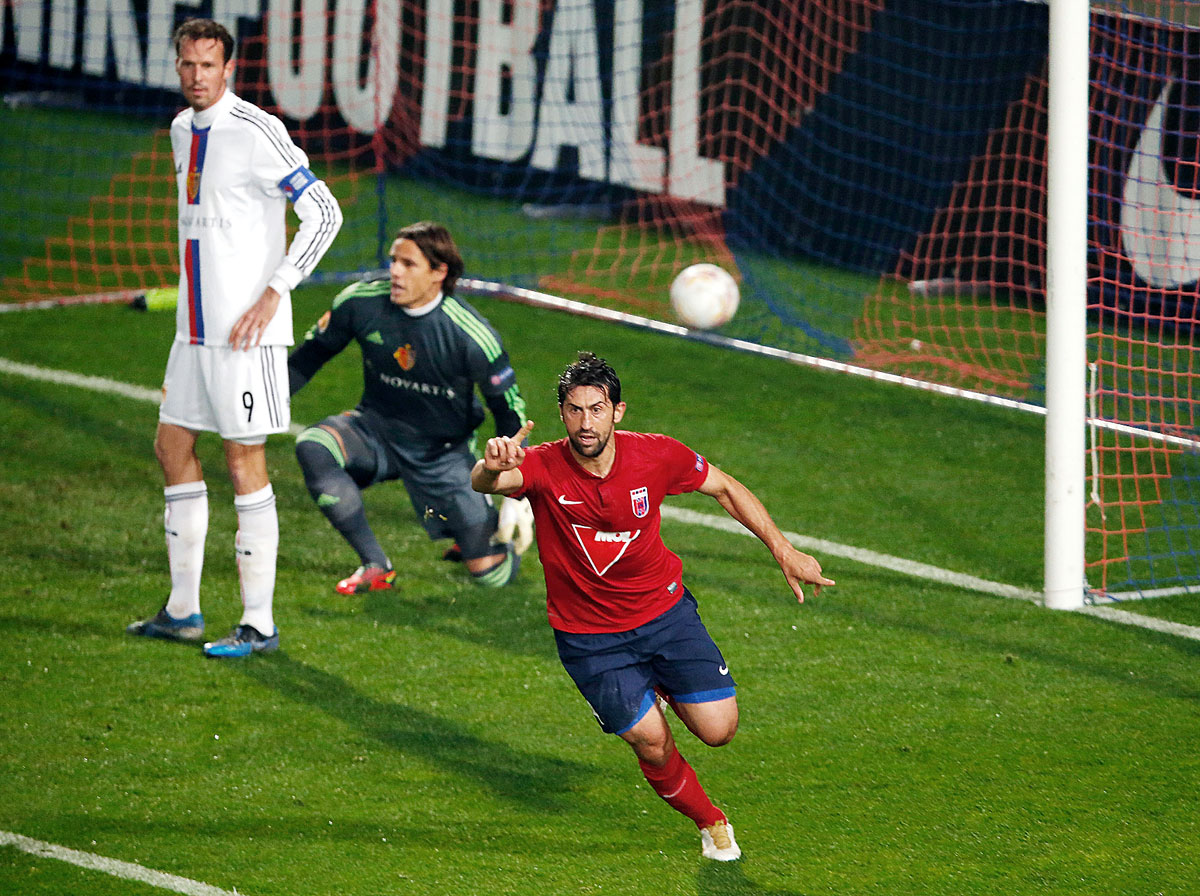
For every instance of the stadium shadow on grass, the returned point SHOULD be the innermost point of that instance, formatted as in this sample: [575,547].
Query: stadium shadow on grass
[18,627]
[539,782]
[729,879]
[506,620]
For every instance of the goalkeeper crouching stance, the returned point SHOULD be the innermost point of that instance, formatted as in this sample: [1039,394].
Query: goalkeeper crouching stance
[425,355]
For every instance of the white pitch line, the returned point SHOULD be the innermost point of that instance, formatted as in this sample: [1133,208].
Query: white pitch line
[113,867]
[931,573]
[724,524]
[66,378]
[1124,617]
[95,383]
[859,555]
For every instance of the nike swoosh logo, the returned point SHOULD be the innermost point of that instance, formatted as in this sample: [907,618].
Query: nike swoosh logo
[1159,232]
[562,499]
[724,670]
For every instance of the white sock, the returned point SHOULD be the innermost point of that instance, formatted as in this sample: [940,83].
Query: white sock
[185,521]
[257,548]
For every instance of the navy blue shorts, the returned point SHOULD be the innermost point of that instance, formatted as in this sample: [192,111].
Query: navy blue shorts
[617,672]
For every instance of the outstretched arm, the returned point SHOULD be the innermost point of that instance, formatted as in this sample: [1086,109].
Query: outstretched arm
[498,472]
[741,504]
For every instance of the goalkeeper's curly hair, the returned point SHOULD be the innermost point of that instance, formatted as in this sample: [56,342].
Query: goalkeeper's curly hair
[589,370]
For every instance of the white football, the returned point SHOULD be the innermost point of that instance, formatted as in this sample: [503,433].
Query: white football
[704,296]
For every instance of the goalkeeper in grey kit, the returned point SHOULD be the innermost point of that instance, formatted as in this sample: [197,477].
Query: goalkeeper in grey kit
[424,355]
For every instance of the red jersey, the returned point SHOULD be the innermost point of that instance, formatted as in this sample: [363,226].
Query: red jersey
[607,569]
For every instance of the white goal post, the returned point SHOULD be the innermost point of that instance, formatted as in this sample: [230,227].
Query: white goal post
[1066,305]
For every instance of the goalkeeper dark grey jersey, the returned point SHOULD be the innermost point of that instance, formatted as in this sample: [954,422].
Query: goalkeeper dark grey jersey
[420,372]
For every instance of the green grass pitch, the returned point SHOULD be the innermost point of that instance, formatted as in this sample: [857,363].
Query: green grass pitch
[898,736]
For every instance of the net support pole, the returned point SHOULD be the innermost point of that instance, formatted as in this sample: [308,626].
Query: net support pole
[1066,304]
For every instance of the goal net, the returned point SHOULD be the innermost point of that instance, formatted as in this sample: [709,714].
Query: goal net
[873,172]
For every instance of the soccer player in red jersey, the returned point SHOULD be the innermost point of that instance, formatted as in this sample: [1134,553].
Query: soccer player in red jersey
[627,629]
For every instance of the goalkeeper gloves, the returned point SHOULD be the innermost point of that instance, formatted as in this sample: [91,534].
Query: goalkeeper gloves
[516,524]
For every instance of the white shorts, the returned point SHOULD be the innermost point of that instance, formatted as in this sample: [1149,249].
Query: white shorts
[241,395]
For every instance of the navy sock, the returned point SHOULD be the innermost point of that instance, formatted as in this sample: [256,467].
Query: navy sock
[339,498]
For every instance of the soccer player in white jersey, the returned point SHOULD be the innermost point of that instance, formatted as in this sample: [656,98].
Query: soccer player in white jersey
[236,169]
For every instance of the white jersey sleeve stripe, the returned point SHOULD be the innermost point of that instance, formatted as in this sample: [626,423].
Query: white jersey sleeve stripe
[286,149]
[317,203]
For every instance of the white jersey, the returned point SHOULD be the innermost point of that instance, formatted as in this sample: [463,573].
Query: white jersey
[236,169]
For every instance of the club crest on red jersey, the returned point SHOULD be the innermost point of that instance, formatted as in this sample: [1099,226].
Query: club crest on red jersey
[641,501]
[405,357]
[603,549]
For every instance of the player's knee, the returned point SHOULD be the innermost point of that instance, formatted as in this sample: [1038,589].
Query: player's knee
[653,751]
[716,729]
[655,755]
[494,571]
[719,735]
[328,483]
[161,453]
[176,457]
[317,451]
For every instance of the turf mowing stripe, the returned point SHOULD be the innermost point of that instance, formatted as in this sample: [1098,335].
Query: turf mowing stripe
[113,867]
[722,523]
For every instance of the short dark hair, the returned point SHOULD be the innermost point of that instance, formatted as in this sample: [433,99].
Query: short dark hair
[589,370]
[437,245]
[204,29]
